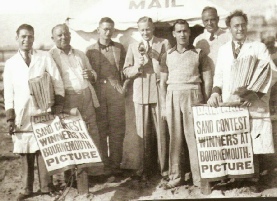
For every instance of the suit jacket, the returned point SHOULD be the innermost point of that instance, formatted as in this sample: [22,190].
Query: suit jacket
[259,109]
[17,94]
[94,55]
[145,86]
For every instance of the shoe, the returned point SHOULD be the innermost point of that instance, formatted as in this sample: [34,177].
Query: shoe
[23,196]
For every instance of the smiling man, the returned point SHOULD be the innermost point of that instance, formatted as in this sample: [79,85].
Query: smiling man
[142,64]
[26,64]
[185,80]
[77,76]
[213,37]
[258,102]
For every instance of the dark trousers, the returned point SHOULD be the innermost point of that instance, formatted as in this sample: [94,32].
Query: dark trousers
[111,124]
[28,167]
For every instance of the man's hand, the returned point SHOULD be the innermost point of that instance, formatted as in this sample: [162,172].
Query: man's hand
[11,125]
[141,61]
[87,74]
[163,113]
[246,103]
[214,100]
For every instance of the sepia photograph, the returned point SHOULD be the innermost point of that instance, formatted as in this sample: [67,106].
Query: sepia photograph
[126,100]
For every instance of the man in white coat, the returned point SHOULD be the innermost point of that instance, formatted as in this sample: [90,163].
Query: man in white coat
[28,63]
[257,102]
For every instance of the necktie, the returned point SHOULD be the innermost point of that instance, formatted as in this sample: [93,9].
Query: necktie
[212,37]
[27,58]
[237,50]
[149,50]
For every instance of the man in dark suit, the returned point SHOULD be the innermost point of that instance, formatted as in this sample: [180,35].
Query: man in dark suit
[107,58]
[142,64]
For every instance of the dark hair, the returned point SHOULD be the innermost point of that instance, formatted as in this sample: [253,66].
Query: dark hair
[145,19]
[25,26]
[179,21]
[59,25]
[106,19]
[236,13]
[209,8]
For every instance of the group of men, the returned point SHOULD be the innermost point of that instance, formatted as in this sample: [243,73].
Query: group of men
[166,83]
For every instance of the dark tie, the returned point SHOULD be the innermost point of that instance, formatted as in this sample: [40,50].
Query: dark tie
[149,49]
[212,37]
[237,50]
[26,58]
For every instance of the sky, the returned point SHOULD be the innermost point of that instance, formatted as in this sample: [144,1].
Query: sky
[41,14]
[45,14]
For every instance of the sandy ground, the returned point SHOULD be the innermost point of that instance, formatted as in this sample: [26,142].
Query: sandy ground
[116,189]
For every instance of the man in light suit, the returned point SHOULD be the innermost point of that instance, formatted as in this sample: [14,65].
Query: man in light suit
[107,58]
[142,64]
[28,63]
[258,102]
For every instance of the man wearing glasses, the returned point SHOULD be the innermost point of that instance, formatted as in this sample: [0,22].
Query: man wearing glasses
[106,58]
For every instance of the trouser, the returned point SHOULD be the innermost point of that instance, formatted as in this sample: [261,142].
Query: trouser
[181,129]
[111,124]
[82,100]
[147,126]
[28,167]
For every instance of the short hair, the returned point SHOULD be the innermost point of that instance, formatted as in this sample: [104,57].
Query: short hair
[107,20]
[25,26]
[209,8]
[145,19]
[59,25]
[236,13]
[179,21]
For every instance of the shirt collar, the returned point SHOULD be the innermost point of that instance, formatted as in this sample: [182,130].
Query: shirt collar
[237,44]
[111,43]
[216,34]
[190,47]
[22,52]
[60,51]
[150,42]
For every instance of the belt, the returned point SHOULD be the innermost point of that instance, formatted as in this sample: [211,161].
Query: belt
[77,91]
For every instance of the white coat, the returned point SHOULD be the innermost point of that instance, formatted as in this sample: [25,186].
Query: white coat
[260,123]
[17,95]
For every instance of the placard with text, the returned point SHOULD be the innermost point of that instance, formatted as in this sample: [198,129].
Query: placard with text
[64,141]
[223,141]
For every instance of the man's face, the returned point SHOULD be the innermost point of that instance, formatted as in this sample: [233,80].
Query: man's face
[181,33]
[146,30]
[25,39]
[210,21]
[61,37]
[106,30]
[238,28]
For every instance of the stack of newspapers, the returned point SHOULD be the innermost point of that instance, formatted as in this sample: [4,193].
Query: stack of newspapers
[42,92]
[251,72]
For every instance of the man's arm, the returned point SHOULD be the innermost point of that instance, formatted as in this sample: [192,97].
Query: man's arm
[216,98]
[9,98]
[163,85]
[88,72]
[131,69]
[206,74]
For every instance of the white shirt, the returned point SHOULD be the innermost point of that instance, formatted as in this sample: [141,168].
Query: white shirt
[72,71]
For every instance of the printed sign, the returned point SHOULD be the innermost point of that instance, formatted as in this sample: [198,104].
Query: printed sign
[223,141]
[64,141]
